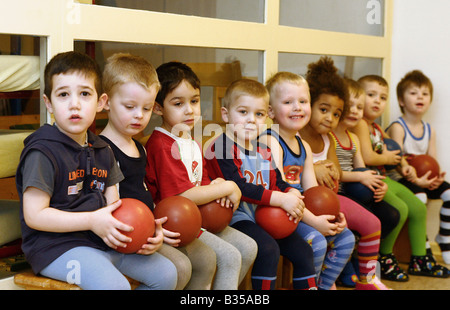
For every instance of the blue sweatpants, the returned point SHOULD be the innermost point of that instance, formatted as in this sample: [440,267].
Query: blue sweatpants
[94,269]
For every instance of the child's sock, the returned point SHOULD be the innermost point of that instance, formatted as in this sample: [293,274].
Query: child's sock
[367,253]
[258,283]
[444,244]
[443,238]
[304,284]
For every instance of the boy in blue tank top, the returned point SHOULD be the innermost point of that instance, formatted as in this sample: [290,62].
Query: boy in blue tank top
[290,110]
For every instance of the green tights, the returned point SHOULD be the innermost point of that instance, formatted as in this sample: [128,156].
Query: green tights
[410,207]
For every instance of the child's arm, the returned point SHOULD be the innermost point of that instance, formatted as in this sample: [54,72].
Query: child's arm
[328,172]
[372,158]
[369,177]
[225,164]
[321,223]
[40,216]
[308,177]
[214,191]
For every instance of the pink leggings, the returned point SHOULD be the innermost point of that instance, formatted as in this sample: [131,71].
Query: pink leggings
[368,226]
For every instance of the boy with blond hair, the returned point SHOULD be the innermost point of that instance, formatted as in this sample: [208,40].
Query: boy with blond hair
[131,84]
[236,155]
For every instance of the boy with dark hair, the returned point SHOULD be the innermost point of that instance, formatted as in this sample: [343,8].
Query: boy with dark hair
[67,180]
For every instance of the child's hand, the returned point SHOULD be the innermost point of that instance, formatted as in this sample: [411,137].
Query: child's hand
[379,192]
[324,225]
[296,192]
[409,172]
[424,180]
[293,205]
[341,223]
[436,183]
[154,243]
[172,238]
[233,199]
[392,157]
[326,173]
[107,227]
[371,179]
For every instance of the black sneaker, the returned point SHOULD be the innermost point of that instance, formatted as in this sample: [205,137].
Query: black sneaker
[426,266]
[390,270]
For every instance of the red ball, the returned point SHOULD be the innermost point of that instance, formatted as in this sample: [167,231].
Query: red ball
[321,200]
[183,217]
[215,218]
[423,164]
[275,221]
[135,213]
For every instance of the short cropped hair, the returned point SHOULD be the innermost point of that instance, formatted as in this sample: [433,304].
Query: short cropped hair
[244,87]
[354,88]
[373,78]
[69,62]
[170,75]
[416,78]
[284,76]
[123,68]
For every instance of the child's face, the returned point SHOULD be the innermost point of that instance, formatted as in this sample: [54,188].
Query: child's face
[290,106]
[416,99]
[245,118]
[74,103]
[355,111]
[130,107]
[376,99]
[181,109]
[325,113]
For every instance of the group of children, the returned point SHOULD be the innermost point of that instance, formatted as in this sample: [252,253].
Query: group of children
[323,128]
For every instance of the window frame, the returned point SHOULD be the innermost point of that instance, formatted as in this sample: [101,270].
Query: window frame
[60,23]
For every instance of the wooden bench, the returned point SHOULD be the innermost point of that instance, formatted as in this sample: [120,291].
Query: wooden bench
[29,281]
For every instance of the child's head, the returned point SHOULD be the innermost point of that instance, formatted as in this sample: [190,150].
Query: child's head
[329,95]
[73,92]
[289,104]
[244,109]
[69,63]
[377,94]
[131,84]
[357,98]
[178,100]
[415,92]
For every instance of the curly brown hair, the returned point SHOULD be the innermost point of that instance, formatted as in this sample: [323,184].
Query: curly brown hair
[323,78]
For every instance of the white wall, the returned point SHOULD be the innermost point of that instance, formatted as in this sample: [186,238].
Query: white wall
[420,40]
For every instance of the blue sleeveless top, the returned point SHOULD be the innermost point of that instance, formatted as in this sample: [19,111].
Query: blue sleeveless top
[292,163]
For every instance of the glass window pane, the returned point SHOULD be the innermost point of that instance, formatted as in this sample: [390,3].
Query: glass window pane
[249,10]
[351,16]
[348,66]
[19,82]
[216,69]
[351,67]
